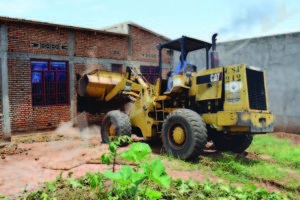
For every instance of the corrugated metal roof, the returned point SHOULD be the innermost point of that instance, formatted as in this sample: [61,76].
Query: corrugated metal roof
[5,18]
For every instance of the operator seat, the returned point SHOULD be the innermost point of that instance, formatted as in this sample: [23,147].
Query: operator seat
[189,69]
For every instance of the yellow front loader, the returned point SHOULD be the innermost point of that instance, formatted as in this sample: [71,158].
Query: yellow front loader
[226,105]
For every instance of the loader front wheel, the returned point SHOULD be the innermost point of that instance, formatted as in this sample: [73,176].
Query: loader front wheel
[233,143]
[115,123]
[184,134]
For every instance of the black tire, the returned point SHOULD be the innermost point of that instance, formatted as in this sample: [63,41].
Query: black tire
[234,143]
[194,131]
[121,123]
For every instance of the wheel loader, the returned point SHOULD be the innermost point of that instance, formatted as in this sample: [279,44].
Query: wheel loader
[223,104]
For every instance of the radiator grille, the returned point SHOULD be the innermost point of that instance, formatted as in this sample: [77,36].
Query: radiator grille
[256,89]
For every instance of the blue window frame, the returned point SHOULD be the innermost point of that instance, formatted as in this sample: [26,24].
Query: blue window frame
[49,83]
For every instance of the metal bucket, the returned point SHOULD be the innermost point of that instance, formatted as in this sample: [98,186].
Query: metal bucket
[98,83]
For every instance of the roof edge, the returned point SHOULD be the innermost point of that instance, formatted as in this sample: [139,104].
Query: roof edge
[261,37]
[138,26]
[13,19]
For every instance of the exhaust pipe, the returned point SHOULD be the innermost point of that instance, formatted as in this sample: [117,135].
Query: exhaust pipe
[214,57]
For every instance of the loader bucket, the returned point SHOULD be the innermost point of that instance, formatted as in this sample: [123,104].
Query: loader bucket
[98,83]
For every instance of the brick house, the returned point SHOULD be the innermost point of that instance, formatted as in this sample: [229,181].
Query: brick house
[41,63]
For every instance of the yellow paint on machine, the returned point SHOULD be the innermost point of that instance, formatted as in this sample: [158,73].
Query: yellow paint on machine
[224,88]
[206,91]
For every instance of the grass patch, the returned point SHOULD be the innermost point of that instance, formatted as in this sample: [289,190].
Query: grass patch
[282,167]
[248,170]
[281,149]
[177,164]
[87,188]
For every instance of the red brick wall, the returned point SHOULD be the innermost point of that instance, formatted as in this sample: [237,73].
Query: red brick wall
[89,44]
[20,35]
[143,42]
[23,116]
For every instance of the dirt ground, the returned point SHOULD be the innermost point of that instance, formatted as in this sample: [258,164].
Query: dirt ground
[33,159]
[295,138]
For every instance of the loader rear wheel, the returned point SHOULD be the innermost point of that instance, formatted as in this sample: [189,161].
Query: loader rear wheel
[184,134]
[234,143]
[115,123]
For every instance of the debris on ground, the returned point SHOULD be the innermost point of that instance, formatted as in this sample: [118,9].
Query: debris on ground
[12,149]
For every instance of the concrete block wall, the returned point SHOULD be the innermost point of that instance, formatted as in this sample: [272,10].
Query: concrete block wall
[279,56]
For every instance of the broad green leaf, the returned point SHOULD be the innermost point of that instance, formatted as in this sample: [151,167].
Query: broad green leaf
[128,155]
[4,196]
[94,179]
[153,194]
[206,182]
[137,152]
[51,186]
[262,192]
[146,168]
[122,176]
[191,183]
[183,188]
[125,139]
[252,187]
[115,139]
[201,196]
[137,178]
[44,196]
[106,158]
[112,147]
[179,181]
[225,189]
[158,174]
[74,183]
[207,190]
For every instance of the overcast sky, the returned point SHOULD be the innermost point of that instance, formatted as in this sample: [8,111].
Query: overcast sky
[232,19]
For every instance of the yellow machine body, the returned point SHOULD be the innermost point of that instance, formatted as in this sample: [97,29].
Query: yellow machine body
[222,96]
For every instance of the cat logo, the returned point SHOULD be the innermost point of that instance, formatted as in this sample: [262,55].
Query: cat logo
[215,77]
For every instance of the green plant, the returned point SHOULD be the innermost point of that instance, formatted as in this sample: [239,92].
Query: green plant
[130,179]
[2,196]
[148,179]
[113,147]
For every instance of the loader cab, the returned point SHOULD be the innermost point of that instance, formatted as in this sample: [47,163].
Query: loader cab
[184,45]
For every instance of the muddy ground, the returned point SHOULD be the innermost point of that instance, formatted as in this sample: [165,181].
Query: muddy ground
[35,158]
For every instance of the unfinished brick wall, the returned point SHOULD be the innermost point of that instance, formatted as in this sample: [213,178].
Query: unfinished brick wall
[98,45]
[23,115]
[143,44]
[20,35]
